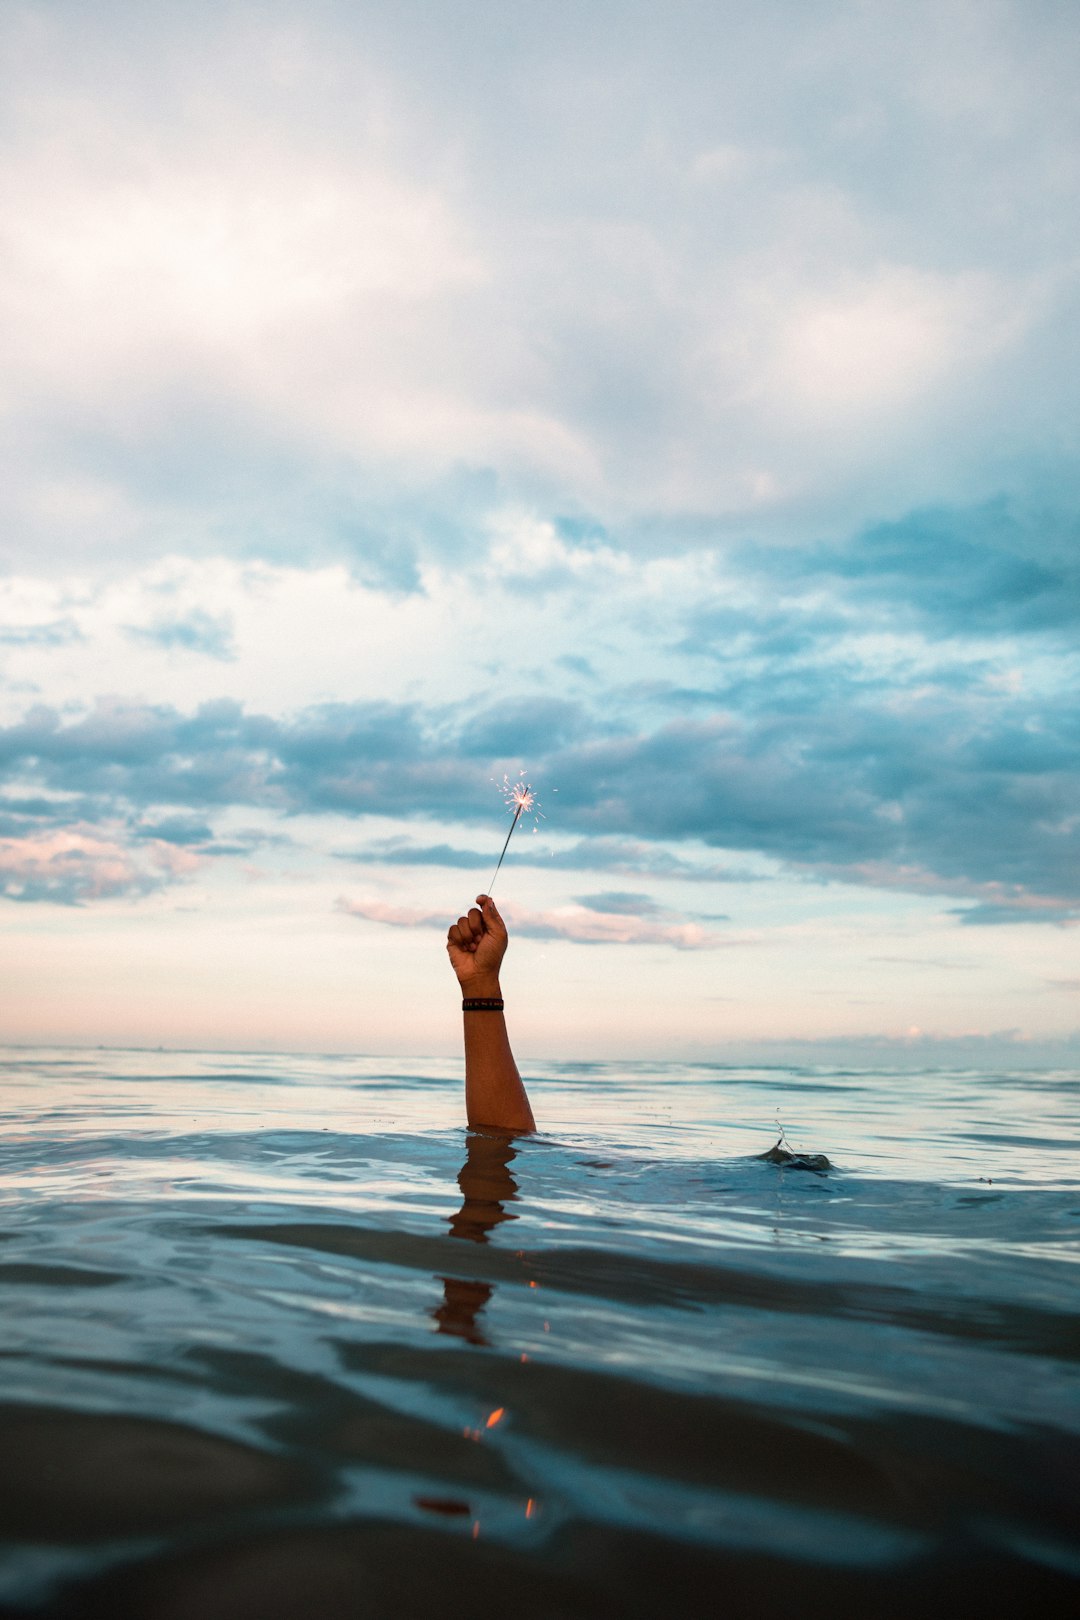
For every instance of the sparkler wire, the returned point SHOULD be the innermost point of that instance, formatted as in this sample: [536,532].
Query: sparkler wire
[506,846]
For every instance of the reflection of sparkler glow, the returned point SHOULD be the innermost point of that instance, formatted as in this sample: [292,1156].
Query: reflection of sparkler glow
[521,799]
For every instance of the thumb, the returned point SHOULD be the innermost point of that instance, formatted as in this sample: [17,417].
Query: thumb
[490,912]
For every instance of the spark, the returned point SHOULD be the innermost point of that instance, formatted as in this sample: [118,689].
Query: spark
[519,795]
[495,1417]
[521,799]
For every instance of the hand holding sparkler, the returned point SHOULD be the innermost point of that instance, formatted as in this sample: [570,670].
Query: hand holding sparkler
[521,799]
[476,945]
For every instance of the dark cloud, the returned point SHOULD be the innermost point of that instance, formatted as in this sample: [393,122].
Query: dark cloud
[766,632]
[1000,568]
[21,815]
[620,903]
[963,794]
[617,855]
[1023,909]
[524,727]
[399,852]
[988,570]
[142,755]
[178,829]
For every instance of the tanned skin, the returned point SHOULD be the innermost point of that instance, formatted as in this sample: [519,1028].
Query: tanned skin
[494,1094]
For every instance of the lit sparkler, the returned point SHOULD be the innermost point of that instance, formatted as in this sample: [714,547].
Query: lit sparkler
[521,799]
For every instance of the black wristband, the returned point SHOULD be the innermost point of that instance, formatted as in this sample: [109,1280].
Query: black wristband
[482,1004]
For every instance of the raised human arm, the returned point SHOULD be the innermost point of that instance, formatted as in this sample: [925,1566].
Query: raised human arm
[494,1094]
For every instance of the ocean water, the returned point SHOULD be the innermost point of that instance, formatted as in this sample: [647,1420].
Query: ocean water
[280,1338]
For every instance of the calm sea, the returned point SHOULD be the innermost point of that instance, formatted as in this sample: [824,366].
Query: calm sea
[280,1339]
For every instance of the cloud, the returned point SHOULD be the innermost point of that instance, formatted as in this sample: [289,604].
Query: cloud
[186,830]
[881,341]
[77,866]
[581,926]
[577,665]
[1024,908]
[197,631]
[969,793]
[621,856]
[400,852]
[530,554]
[942,793]
[22,814]
[381,911]
[577,925]
[55,633]
[517,727]
[619,903]
[326,271]
[1001,567]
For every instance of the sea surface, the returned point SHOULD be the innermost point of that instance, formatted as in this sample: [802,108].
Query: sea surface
[280,1338]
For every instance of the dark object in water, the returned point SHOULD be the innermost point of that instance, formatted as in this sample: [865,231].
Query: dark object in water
[441,1504]
[795,1161]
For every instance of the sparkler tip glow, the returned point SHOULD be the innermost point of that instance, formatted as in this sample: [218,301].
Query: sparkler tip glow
[521,799]
[519,795]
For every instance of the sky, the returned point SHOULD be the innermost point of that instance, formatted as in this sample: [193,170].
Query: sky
[675,406]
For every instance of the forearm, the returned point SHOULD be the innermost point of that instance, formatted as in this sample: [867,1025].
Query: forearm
[494,1094]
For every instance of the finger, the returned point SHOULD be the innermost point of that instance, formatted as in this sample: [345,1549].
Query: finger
[453,935]
[476,923]
[491,913]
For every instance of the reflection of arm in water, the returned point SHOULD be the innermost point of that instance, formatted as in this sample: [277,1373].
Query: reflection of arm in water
[486,1187]
[494,1094]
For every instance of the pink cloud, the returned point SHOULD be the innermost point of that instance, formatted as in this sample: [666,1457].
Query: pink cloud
[74,865]
[585,927]
[393,916]
[576,924]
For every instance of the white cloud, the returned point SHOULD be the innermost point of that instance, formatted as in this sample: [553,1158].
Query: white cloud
[882,343]
[328,249]
[528,547]
[264,268]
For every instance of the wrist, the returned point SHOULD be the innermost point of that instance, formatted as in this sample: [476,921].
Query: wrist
[484,984]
